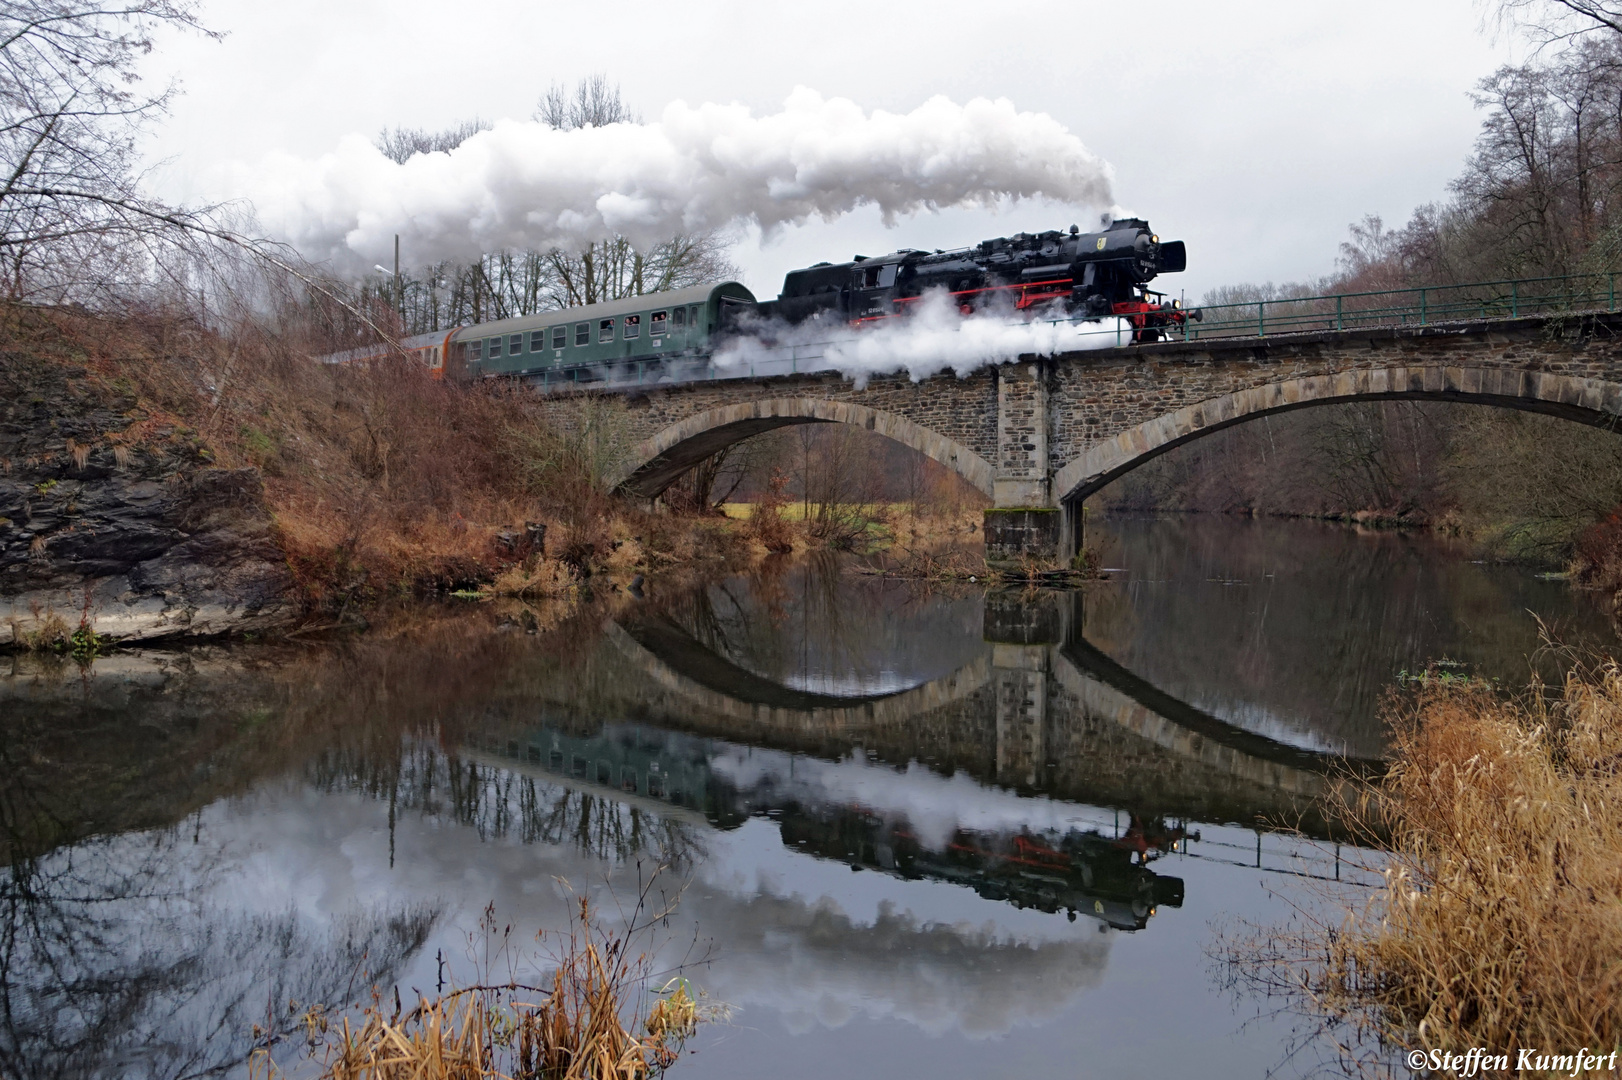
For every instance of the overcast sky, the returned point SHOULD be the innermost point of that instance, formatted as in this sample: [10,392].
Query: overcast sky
[1255,131]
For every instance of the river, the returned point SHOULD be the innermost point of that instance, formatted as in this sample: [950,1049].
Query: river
[907,829]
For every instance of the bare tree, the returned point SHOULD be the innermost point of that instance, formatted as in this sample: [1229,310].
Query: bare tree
[403,143]
[594,102]
[72,217]
[1554,21]
[612,268]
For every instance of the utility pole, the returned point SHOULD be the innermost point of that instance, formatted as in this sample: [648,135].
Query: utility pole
[399,293]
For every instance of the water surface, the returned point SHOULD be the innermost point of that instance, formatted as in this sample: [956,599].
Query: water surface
[913,830]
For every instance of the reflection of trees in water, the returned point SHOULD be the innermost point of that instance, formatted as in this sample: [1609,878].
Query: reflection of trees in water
[112,962]
[1308,624]
[810,620]
[499,803]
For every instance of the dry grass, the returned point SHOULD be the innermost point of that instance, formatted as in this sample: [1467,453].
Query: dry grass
[380,479]
[1499,921]
[592,1020]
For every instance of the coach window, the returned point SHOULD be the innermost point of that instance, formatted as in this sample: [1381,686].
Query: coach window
[537,340]
[515,344]
[692,316]
[678,318]
[495,348]
[582,333]
[605,330]
[560,336]
[657,326]
[633,326]
[475,350]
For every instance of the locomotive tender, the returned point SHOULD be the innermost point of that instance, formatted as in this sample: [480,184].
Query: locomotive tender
[1066,274]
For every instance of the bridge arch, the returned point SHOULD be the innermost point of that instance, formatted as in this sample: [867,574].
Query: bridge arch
[1597,402]
[657,462]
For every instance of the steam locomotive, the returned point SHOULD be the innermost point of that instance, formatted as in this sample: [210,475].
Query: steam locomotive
[1083,275]
[1091,275]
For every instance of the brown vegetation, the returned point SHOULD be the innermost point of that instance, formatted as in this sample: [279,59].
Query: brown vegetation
[1499,920]
[380,479]
[588,1022]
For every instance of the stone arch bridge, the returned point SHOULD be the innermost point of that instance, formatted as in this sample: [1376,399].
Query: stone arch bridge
[1038,436]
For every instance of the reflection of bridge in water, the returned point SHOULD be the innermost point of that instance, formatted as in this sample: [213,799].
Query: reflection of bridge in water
[1048,727]
[1040,710]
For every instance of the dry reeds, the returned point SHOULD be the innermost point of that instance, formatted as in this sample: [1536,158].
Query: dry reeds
[1499,920]
[587,1023]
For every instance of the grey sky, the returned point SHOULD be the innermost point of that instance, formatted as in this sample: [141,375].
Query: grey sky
[1255,131]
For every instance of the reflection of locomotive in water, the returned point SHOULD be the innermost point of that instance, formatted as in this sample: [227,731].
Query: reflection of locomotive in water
[1078,871]
[1058,274]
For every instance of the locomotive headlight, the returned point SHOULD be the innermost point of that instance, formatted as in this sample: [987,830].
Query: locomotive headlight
[1153,238]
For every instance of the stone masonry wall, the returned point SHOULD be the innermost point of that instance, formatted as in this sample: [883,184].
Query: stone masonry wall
[1064,411]
[964,410]
[1097,395]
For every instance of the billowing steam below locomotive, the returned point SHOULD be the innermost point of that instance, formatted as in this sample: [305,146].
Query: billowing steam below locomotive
[1051,274]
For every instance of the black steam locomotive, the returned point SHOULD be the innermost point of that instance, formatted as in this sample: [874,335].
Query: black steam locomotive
[1091,275]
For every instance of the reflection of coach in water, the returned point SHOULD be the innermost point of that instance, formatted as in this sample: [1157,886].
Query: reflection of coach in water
[1030,864]
[1079,872]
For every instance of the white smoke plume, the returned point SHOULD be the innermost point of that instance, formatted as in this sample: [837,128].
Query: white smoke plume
[524,185]
[933,338]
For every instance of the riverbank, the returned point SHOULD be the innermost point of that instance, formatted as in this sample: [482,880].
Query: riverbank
[1497,921]
[159,480]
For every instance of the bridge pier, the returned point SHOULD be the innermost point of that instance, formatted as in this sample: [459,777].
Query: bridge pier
[1022,634]
[1023,524]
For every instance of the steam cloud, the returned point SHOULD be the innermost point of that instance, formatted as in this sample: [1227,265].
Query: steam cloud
[933,806]
[524,185]
[934,338]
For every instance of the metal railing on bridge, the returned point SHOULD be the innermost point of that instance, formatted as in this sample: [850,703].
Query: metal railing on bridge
[1421,306]
[1427,305]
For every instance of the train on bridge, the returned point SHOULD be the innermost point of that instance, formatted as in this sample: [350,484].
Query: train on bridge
[1054,274]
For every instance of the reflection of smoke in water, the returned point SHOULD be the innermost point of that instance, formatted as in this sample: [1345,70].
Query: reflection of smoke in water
[525,185]
[933,806]
[932,338]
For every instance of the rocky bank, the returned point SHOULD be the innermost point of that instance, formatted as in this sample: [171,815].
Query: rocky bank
[115,517]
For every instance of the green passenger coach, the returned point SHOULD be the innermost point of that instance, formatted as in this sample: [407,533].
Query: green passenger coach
[615,340]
